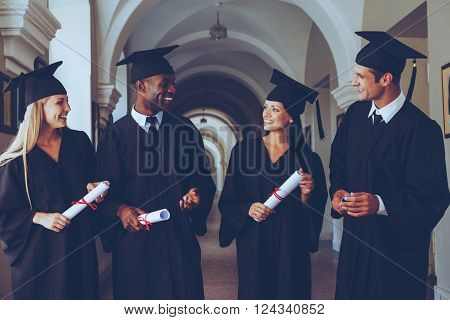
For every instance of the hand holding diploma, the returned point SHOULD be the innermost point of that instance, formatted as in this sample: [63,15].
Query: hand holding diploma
[130,217]
[87,200]
[153,217]
[336,203]
[359,204]
[51,221]
[135,219]
[279,194]
[259,212]
[91,186]
[306,185]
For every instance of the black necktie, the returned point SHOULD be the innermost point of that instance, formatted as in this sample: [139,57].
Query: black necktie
[153,121]
[377,118]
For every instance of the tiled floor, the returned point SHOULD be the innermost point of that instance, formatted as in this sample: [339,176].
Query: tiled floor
[220,270]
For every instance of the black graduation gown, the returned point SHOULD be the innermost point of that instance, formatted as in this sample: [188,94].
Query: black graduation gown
[273,256]
[46,264]
[165,262]
[403,161]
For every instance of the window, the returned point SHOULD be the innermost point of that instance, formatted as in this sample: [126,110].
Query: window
[8,107]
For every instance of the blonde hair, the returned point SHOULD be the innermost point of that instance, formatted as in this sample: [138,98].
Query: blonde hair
[26,138]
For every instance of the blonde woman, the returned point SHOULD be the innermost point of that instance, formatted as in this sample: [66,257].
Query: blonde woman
[47,167]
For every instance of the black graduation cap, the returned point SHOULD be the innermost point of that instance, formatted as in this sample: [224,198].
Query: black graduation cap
[386,54]
[294,95]
[148,63]
[37,84]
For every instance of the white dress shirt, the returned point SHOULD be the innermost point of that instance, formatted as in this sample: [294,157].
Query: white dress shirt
[387,113]
[141,119]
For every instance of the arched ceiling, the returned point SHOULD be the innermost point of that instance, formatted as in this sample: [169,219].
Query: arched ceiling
[278,28]
[263,34]
[217,91]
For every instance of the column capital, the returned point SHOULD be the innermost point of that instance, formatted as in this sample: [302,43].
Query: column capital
[107,98]
[345,95]
[27,29]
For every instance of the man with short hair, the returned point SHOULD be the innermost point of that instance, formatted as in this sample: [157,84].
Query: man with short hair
[154,160]
[388,180]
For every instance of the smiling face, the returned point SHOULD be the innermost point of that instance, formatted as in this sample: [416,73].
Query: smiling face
[159,90]
[56,110]
[368,88]
[275,116]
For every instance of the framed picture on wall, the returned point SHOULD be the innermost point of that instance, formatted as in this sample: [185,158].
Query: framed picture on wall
[8,111]
[339,119]
[446,98]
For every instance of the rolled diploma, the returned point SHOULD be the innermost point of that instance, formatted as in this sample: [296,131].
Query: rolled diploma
[287,187]
[155,216]
[90,197]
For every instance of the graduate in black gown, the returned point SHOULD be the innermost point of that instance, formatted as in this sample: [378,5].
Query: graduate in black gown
[274,246]
[47,167]
[388,163]
[155,160]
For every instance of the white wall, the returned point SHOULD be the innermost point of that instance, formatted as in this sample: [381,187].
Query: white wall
[320,63]
[121,86]
[383,14]
[72,45]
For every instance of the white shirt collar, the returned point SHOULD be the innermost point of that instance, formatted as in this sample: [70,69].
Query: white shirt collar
[141,119]
[389,110]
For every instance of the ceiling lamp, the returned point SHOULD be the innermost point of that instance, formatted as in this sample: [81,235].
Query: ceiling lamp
[203,119]
[218,31]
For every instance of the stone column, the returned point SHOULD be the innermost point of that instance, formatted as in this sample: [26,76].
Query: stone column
[107,98]
[344,95]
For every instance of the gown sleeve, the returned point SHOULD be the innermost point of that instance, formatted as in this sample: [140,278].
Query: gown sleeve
[425,195]
[90,160]
[90,163]
[317,201]
[338,160]
[200,179]
[109,168]
[233,204]
[16,217]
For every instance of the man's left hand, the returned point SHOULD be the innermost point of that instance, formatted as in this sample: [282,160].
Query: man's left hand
[360,204]
[91,186]
[190,201]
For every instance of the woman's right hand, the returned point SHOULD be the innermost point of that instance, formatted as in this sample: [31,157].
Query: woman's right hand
[259,211]
[51,221]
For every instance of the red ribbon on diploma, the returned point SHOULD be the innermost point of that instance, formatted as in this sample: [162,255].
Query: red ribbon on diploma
[276,194]
[83,201]
[147,224]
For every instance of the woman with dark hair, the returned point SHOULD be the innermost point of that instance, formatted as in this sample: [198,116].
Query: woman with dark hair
[46,167]
[274,246]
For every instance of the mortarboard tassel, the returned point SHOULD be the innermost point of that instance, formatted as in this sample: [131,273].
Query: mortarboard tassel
[319,121]
[412,82]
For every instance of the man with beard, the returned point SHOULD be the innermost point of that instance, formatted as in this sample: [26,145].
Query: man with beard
[388,180]
[154,160]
